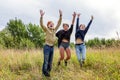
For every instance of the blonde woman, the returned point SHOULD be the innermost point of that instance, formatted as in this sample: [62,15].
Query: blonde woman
[48,49]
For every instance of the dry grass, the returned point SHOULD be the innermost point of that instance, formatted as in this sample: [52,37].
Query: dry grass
[27,64]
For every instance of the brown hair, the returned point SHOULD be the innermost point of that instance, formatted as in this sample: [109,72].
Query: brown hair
[49,22]
[82,25]
[65,24]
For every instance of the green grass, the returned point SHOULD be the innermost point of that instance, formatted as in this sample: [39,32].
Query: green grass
[27,64]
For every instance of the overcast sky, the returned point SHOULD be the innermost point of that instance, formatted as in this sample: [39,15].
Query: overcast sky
[106,14]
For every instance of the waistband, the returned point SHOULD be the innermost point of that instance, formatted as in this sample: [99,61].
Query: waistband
[48,45]
[65,42]
[80,44]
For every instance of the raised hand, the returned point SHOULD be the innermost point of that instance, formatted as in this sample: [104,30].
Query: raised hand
[60,12]
[42,13]
[92,17]
[74,14]
[78,15]
[73,20]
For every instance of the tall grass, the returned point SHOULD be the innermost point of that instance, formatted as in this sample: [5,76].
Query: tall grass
[27,65]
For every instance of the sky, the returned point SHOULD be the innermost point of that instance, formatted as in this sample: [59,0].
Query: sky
[106,14]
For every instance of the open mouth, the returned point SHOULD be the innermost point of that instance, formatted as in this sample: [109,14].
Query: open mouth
[51,26]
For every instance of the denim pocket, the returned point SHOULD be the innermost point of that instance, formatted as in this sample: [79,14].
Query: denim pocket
[83,44]
[46,49]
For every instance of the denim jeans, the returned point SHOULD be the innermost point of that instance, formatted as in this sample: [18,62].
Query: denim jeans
[48,58]
[81,51]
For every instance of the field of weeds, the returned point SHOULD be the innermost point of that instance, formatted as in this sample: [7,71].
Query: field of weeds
[101,64]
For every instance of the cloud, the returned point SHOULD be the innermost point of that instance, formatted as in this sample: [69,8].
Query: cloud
[106,13]
[2,27]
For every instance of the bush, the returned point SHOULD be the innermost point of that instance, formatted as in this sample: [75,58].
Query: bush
[26,43]
[20,36]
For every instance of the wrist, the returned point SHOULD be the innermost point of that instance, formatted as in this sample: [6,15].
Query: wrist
[60,15]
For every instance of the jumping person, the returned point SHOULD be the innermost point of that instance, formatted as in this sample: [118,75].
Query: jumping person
[80,33]
[64,40]
[48,50]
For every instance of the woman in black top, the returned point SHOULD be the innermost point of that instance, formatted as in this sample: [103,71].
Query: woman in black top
[64,40]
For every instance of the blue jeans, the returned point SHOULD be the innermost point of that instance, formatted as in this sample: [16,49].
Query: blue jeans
[80,51]
[48,58]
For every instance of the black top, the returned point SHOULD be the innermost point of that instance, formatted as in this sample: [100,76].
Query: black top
[62,34]
[81,33]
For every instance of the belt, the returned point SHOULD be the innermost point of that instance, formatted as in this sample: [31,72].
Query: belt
[79,44]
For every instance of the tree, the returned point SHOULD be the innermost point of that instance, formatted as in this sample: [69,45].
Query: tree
[6,40]
[36,34]
[24,35]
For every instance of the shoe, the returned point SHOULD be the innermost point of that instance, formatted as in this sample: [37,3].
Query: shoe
[65,63]
[46,74]
[83,62]
[58,63]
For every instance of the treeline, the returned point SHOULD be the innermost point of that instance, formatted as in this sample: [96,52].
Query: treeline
[21,36]
[102,43]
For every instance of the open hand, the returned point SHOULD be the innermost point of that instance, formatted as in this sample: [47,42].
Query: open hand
[92,17]
[78,15]
[42,13]
[74,14]
[60,12]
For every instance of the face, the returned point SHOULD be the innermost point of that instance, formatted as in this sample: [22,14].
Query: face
[65,27]
[82,27]
[51,25]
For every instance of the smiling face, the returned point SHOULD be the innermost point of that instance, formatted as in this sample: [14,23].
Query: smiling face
[50,24]
[65,26]
[82,27]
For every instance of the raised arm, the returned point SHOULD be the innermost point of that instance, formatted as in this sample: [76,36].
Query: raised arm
[86,29]
[73,20]
[41,20]
[77,23]
[59,21]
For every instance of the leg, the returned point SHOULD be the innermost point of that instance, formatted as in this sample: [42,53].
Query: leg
[45,63]
[78,53]
[68,54]
[83,52]
[50,59]
[61,49]
[77,47]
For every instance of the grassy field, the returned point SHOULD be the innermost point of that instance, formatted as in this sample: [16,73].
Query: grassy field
[26,65]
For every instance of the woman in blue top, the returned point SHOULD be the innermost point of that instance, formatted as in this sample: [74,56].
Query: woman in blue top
[80,33]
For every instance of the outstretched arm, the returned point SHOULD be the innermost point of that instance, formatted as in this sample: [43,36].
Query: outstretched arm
[59,21]
[77,23]
[89,24]
[73,20]
[41,20]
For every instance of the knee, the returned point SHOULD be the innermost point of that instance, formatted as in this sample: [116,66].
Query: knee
[62,57]
[69,56]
